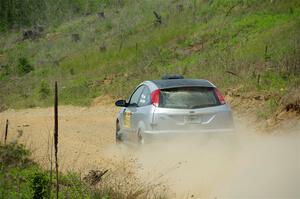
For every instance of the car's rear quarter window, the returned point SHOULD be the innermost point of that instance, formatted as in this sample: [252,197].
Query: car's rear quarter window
[188,97]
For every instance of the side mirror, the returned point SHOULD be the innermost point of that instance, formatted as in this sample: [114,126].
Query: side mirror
[121,103]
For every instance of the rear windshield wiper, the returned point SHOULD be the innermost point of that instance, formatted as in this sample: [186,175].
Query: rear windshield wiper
[201,106]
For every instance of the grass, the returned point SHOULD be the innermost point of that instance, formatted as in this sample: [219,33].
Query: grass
[20,177]
[269,108]
[253,39]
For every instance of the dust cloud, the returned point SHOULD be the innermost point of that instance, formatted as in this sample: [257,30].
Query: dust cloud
[248,165]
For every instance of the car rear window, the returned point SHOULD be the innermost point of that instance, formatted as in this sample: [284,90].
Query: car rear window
[188,98]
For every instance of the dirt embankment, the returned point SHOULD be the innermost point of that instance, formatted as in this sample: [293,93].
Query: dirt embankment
[253,107]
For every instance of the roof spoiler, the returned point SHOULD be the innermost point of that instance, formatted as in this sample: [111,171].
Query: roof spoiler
[165,77]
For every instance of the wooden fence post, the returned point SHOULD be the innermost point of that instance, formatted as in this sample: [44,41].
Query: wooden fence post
[6,131]
[56,137]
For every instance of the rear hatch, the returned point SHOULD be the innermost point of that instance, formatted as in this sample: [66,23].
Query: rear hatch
[191,108]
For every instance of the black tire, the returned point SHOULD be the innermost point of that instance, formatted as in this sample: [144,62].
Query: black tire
[118,135]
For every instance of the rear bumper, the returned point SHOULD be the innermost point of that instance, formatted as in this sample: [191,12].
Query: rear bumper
[159,135]
[185,132]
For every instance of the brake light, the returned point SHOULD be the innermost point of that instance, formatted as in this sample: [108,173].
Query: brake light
[155,97]
[220,96]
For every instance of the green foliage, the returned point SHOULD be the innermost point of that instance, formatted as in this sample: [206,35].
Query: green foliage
[24,66]
[44,90]
[39,183]
[80,92]
[269,109]
[14,154]
[5,71]
[205,39]
[29,181]
[19,14]
[14,165]
[19,176]
[273,81]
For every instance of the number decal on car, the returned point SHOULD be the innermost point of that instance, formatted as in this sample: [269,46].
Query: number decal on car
[127,119]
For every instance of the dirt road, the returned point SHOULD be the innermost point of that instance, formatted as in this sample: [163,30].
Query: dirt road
[83,133]
[260,165]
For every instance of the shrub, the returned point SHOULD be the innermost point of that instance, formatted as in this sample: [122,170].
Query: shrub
[39,183]
[14,154]
[24,67]
[20,14]
[6,69]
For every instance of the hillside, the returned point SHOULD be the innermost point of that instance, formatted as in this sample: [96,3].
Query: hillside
[245,46]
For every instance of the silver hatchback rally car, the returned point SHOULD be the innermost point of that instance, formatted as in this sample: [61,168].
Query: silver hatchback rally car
[172,106]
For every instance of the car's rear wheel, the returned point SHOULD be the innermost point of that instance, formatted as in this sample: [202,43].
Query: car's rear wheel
[118,134]
[140,138]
